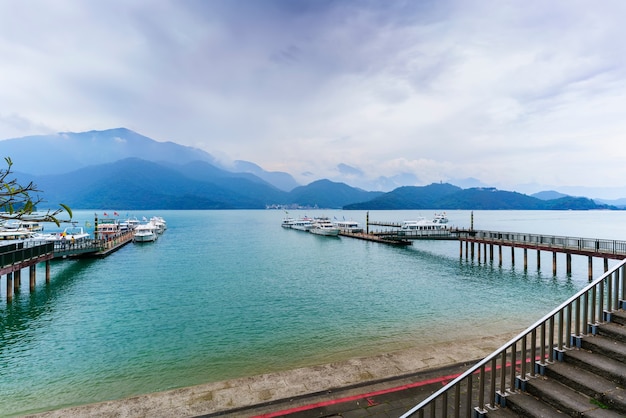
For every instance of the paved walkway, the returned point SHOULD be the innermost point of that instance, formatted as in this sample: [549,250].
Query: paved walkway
[386,385]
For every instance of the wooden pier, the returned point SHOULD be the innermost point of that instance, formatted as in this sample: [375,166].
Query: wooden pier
[17,256]
[475,240]
[589,247]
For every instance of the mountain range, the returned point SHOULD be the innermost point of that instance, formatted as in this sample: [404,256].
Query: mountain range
[119,168]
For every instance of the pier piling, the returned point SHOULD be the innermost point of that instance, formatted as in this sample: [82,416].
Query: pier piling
[33,271]
[9,286]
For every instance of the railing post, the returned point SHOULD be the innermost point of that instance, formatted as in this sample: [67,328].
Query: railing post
[520,382]
[533,351]
[481,391]
[609,293]
[492,391]
[468,399]
[616,290]
[593,307]
[500,399]
[623,277]
[568,326]
[513,365]
[543,343]
[601,302]
[551,340]
[457,400]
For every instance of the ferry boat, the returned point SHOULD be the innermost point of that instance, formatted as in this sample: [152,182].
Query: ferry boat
[351,227]
[15,229]
[302,224]
[439,222]
[287,222]
[147,232]
[159,223]
[71,234]
[323,226]
[108,228]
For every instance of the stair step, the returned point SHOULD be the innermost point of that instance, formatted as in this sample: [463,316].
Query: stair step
[502,413]
[606,367]
[526,405]
[613,330]
[619,317]
[605,346]
[567,400]
[589,384]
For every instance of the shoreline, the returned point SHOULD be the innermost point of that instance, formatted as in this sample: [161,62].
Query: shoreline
[261,390]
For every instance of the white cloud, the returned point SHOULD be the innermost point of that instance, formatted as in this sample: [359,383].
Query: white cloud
[505,92]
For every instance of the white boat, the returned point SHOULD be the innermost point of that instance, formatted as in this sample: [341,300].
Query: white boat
[147,232]
[351,227]
[15,234]
[323,226]
[71,234]
[129,224]
[160,224]
[302,224]
[108,228]
[14,229]
[287,222]
[439,222]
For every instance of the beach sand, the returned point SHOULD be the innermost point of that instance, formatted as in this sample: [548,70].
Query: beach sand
[359,374]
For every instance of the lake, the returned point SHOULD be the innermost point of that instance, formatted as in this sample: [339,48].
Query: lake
[226,294]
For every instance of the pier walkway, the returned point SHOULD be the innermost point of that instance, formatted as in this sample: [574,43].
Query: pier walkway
[475,240]
[16,256]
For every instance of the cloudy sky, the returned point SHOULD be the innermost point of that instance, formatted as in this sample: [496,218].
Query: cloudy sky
[505,92]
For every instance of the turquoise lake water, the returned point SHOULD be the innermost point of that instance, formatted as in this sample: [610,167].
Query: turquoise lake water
[226,294]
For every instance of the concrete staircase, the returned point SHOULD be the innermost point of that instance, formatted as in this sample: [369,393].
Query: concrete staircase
[588,382]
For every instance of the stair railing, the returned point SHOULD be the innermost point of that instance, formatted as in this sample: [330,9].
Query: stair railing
[578,316]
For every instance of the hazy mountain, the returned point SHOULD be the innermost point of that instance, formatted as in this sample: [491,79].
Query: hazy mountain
[68,151]
[283,181]
[620,203]
[548,195]
[408,197]
[447,196]
[138,184]
[328,194]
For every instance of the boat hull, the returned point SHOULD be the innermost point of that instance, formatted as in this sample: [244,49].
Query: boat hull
[327,232]
[147,237]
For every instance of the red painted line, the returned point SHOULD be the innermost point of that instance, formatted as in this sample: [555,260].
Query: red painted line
[443,379]
[357,397]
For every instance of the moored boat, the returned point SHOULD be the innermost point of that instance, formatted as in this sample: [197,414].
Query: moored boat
[71,234]
[302,224]
[323,226]
[147,232]
[439,222]
[108,228]
[287,222]
[159,223]
[350,227]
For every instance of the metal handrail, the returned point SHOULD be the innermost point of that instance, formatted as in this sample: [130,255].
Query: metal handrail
[549,241]
[596,301]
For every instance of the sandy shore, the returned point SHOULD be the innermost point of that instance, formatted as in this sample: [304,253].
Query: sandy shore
[227,395]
